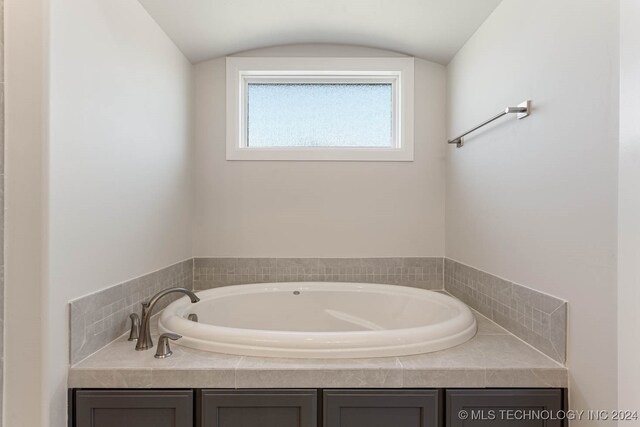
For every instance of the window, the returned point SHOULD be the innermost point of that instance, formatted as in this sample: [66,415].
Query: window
[314,114]
[355,109]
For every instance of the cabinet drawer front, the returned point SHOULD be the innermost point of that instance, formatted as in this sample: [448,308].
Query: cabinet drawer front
[382,408]
[252,408]
[502,408]
[134,408]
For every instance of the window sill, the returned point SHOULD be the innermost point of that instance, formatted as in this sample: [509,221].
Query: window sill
[322,154]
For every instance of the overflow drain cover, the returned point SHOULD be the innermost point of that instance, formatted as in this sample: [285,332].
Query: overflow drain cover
[296,292]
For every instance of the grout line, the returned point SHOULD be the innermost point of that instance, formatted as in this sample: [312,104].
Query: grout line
[193,274]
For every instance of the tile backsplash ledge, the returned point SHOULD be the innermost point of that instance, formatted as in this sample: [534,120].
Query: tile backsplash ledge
[535,317]
[425,273]
[539,319]
[101,317]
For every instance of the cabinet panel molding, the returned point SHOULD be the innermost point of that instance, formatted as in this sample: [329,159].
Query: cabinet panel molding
[134,408]
[488,407]
[264,408]
[382,408]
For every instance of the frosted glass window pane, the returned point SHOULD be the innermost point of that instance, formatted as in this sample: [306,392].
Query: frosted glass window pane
[320,115]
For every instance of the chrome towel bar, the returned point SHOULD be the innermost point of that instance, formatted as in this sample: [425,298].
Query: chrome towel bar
[522,111]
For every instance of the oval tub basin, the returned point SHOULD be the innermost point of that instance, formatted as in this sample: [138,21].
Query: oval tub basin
[320,320]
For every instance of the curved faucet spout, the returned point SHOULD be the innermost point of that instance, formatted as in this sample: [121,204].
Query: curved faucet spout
[144,341]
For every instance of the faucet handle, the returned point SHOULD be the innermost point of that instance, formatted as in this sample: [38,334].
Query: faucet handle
[163,351]
[135,327]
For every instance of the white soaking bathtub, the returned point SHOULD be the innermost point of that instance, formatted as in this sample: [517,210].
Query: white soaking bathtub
[320,320]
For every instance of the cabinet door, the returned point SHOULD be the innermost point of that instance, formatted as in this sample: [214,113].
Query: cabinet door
[503,408]
[257,408]
[134,408]
[382,408]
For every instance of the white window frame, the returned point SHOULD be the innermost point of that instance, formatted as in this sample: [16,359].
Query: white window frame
[244,70]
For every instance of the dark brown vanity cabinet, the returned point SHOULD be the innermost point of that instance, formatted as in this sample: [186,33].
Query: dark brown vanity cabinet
[133,408]
[504,407]
[257,408]
[381,408]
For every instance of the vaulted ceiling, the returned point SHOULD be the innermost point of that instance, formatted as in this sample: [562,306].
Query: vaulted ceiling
[429,29]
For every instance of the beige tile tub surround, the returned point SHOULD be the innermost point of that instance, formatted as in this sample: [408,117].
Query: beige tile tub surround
[493,358]
[99,318]
[419,272]
[537,318]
